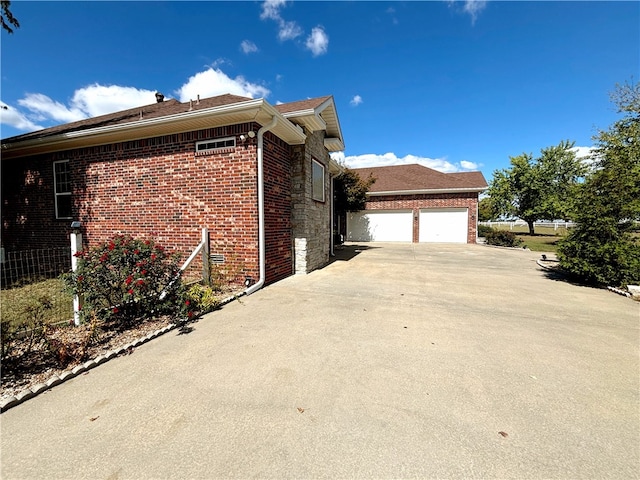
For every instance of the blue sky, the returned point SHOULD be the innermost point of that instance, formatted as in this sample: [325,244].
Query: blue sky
[452,85]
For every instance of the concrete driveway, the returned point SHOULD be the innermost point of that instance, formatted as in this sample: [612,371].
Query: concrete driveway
[428,361]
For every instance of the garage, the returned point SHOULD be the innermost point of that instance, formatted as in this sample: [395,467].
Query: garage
[444,225]
[380,226]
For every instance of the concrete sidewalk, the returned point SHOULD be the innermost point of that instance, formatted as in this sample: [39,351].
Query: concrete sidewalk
[429,361]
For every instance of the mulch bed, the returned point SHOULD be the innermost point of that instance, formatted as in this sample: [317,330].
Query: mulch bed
[23,370]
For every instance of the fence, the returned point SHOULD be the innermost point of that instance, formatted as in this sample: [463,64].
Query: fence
[27,266]
[521,224]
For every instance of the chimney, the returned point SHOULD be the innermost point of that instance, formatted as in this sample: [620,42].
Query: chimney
[159,97]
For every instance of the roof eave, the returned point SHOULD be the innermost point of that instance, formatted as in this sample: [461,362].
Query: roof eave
[311,119]
[333,144]
[427,191]
[258,110]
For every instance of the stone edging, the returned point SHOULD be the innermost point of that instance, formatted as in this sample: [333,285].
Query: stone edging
[36,390]
[523,249]
[619,291]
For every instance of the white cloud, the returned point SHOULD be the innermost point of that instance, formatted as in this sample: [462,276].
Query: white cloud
[466,165]
[588,156]
[582,152]
[287,30]
[218,62]
[86,102]
[12,117]
[388,159]
[474,7]
[470,7]
[317,41]
[44,107]
[392,12]
[356,100]
[98,99]
[213,82]
[247,46]
[271,9]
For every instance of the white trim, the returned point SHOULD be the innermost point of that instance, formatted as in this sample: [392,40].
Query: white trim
[428,190]
[57,194]
[222,149]
[252,109]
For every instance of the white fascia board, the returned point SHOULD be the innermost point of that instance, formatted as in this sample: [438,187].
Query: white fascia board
[167,120]
[292,128]
[427,191]
[252,107]
[309,118]
[333,144]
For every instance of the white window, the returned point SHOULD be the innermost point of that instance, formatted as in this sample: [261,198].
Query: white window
[62,188]
[317,181]
[216,145]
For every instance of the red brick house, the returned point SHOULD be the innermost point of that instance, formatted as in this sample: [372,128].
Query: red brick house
[257,176]
[412,203]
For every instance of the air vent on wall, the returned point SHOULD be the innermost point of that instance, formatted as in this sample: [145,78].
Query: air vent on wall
[217,259]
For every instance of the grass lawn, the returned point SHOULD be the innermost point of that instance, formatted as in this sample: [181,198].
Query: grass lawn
[540,243]
[544,240]
[19,304]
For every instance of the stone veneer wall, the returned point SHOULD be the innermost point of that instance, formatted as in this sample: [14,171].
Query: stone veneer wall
[311,220]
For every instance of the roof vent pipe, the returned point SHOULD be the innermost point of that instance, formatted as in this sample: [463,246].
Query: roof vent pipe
[159,97]
[198,100]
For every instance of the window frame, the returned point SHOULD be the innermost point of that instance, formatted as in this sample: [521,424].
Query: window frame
[66,193]
[314,196]
[222,148]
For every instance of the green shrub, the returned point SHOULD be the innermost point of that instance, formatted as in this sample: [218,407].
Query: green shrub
[201,299]
[484,230]
[502,238]
[124,279]
[600,259]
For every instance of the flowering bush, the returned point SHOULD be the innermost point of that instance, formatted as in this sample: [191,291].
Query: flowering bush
[124,278]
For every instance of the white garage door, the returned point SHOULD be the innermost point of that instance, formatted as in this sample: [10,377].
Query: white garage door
[380,226]
[443,225]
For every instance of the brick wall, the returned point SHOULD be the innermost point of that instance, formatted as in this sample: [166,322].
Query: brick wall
[310,218]
[28,215]
[160,187]
[416,202]
[277,205]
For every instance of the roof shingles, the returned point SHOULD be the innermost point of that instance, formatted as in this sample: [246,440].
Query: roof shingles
[414,177]
[154,110]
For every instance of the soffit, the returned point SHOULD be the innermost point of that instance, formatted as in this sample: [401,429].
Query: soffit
[246,111]
[316,114]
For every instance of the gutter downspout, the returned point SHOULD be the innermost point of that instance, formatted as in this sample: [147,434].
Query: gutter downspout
[331,233]
[261,234]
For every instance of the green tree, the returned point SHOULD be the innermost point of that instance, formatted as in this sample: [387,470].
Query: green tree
[485,210]
[602,248]
[537,188]
[6,18]
[351,191]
